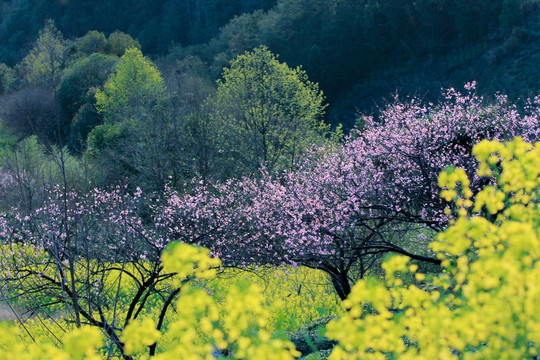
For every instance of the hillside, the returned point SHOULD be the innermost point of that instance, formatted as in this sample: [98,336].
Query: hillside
[155,23]
[269,179]
[504,63]
[360,53]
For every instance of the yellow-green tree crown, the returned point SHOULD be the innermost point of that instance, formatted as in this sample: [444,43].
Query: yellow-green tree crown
[269,111]
[43,64]
[135,86]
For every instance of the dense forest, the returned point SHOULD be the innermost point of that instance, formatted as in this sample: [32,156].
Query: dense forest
[358,51]
[269,179]
[156,24]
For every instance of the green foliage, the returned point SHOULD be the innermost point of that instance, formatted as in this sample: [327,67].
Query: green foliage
[340,43]
[370,48]
[268,113]
[7,77]
[348,47]
[79,78]
[128,152]
[93,42]
[118,43]
[14,31]
[44,63]
[103,137]
[134,87]
[31,167]
[484,304]
[85,120]
[7,138]
[155,24]
[135,96]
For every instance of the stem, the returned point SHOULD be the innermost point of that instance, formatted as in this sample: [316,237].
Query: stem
[162,317]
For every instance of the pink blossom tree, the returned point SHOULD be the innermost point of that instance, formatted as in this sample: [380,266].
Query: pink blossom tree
[346,205]
[90,257]
[411,143]
[340,210]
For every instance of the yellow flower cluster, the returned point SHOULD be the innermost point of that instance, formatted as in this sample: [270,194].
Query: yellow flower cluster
[138,335]
[78,344]
[186,260]
[455,184]
[296,297]
[205,325]
[485,303]
[235,312]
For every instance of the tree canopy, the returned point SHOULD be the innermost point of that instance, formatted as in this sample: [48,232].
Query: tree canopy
[89,72]
[269,113]
[135,86]
[43,64]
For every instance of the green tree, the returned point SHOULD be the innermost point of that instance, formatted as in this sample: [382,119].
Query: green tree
[118,43]
[7,77]
[135,107]
[107,152]
[84,121]
[268,112]
[134,88]
[44,63]
[94,41]
[83,75]
[76,96]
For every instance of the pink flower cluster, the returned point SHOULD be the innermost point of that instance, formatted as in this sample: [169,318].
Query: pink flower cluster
[347,199]
[339,210]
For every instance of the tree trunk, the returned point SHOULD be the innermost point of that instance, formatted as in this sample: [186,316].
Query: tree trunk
[341,284]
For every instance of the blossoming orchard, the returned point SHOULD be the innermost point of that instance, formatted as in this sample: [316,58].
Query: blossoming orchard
[439,197]
[347,204]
